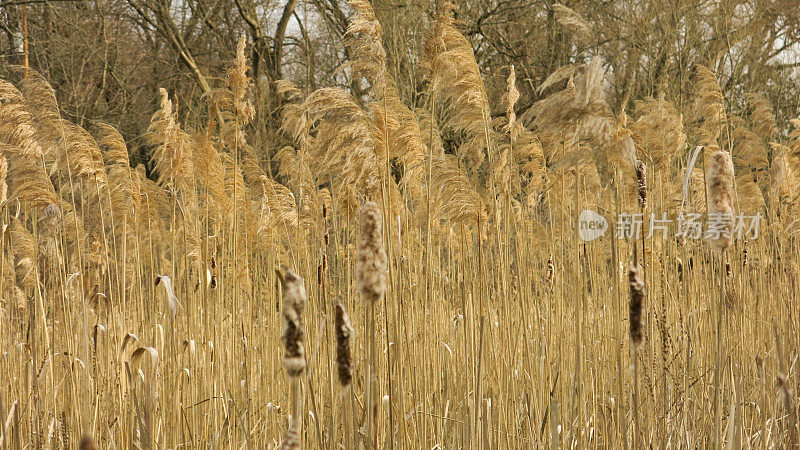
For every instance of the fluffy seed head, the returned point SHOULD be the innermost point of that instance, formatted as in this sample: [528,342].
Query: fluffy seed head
[371,256]
[719,178]
[294,300]
[641,183]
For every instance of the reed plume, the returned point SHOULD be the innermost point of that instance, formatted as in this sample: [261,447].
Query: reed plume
[171,150]
[456,81]
[659,129]
[573,21]
[708,114]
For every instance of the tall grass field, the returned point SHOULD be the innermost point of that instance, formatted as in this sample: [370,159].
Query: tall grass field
[575,277]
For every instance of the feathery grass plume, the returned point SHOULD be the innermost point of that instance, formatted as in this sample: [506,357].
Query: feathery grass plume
[573,21]
[209,172]
[659,129]
[26,177]
[28,182]
[235,108]
[125,194]
[294,301]
[456,81]
[237,82]
[636,305]
[344,331]
[371,255]
[762,117]
[749,151]
[364,41]
[78,149]
[113,145]
[40,101]
[40,97]
[339,136]
[456,199]
[566,72]
[274,205]
[510,98]
[708,114]
[641,183]
[580,110]
[295,169]
[529,156]
[172,152]
[719,178]
[17,133]
[392,119]
[23,246]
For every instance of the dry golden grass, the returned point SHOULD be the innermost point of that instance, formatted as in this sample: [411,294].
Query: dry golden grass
[210,308]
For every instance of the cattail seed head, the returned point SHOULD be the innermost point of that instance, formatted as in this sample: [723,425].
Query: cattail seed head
[744,255]
[294,300]
[641,183]
[636,305]
[87,443]
[344,330]
[371,255]
[719,178]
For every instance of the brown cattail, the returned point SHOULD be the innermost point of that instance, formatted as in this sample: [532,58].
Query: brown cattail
[344,330]
[744,255]
[294,300]
[719,178]
[87,443]
[213,283]
[371,256]
[551,271]
[641,183]
[636,305]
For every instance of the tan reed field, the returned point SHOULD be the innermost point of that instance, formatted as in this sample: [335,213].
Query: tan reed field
[370,287]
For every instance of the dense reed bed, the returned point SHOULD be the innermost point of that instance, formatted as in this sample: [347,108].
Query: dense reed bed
[374,285]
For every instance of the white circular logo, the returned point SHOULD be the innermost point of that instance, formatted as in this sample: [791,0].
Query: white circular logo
[591,225]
